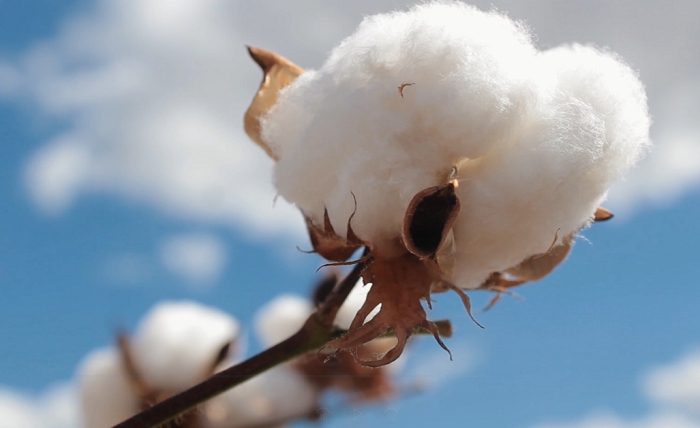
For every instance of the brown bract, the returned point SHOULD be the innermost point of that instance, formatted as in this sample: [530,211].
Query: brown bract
[278,73]
[537,266]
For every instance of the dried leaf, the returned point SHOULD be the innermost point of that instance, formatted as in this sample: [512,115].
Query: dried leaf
[278,73]
[540,265]
[429,218]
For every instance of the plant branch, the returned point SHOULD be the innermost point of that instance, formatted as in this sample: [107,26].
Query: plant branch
[317,331]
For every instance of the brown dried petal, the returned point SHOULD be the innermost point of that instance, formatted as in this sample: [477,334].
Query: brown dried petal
[278,73]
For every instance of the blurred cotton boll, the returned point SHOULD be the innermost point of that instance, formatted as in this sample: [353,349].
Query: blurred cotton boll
[280,318]
[177,344]
[352,304]
[275,397]
[106,396]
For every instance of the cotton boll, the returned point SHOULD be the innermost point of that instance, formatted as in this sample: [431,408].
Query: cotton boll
[446,144]
[470,87]
[177,343]
[278,395]
[280,318]
[106,397]
[538,137]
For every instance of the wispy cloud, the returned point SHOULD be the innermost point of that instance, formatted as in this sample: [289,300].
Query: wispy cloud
[199,259]
[153,92]
[674,392]
[57,407]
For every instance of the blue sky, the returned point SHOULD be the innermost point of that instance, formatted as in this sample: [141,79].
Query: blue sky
[112,189]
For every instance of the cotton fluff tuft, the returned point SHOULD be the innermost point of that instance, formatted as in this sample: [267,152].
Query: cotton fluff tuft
[352,304]
[106,397]
[537,137]
[176,343]
[280,318]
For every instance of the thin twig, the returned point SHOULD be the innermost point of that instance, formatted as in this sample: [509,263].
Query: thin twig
[316,332]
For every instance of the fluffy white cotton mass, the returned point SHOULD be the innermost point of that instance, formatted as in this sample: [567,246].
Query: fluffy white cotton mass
[177,343]
[106,397]
[537,137]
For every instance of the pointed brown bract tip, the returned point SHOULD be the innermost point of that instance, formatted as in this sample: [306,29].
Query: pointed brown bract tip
[278,73]
[429,218]
[602,214]
[398,284]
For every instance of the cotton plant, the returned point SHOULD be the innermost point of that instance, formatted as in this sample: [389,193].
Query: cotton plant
[175,345]
[445,143]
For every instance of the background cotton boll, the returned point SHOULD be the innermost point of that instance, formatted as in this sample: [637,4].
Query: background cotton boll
[106,397]
[280,318]
[278,395]
[177,343]
[470,89]
[352,304]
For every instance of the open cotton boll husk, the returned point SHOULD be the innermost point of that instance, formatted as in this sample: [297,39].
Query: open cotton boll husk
[533,138]
[106,396]
[178,344]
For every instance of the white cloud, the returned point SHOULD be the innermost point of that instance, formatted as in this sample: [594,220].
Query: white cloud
[153,98]
[56,407]
[153,92]
[673,389]
[56,173]
[611,421]
[677,384]
[197,258]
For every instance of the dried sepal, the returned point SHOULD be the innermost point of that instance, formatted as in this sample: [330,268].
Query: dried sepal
[540,265]
[328,244]
[602,214]
[278,73]
[398,284]
[429,219]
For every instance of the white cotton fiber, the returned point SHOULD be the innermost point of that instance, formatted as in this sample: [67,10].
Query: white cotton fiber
[280,318]
[352,304]
[176,344]
[278,395]
[538,136]
[106,397]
